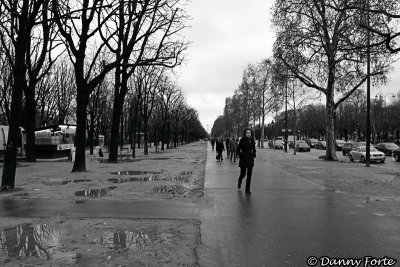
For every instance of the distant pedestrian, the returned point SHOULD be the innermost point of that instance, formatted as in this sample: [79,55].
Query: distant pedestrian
[227,147]
[220,148]
[247,153]
[232,148]
[212,143]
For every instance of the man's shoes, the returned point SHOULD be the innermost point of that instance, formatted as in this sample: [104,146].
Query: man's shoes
[248,193]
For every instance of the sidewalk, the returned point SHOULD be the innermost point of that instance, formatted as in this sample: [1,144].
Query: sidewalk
[157,197]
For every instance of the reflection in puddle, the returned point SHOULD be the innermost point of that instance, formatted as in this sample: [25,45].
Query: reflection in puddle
[76,181]
[171,189]
[182,179]
[135,172]
[125,240]
[39,241]
[133,179]
[94,192]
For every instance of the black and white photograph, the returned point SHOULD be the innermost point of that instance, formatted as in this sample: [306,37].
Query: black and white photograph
[170,133]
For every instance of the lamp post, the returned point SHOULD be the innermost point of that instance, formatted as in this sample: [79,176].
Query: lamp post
[286,115]
[273,133]
[368,130]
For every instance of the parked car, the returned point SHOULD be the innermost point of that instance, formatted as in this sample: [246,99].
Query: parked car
[347,147]
[311,142]
[360,153]
[279,144]
[339,144]
[302,146]
[350,145]
[320,145]
[396,154]
[386,147]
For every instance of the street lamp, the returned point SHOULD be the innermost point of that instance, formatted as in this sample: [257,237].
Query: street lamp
[286,115]
[273,133]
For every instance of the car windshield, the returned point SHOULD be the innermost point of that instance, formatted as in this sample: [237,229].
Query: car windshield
[390,145]
[364,149]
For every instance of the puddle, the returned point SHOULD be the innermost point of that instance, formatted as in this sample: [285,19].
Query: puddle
[125,240]
[171,189]
[182,179]
[75,181]
[135,172]
[133,179]
[120,159]
[94,192]
[133,240]
[27,240]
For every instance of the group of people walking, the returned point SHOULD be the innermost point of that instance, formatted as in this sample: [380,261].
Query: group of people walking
[245,149]
[231,147]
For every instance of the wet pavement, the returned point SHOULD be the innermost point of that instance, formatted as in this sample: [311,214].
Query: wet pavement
[286,220]
[98,208]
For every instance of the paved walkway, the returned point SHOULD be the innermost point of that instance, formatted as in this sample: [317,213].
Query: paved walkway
[285,221]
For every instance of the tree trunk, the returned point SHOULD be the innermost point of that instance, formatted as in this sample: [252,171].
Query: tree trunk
[30,119]
[145,137]
[262,130]
[10,154]
[91,132]
[113,155]
[138,136]
[80,137]
[330,129]
[133,147]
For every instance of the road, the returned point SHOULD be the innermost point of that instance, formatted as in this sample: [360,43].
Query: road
[286,220]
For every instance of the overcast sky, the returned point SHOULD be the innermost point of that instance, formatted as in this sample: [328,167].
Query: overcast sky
[226,36]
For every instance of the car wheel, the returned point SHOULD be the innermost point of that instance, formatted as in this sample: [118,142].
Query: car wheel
[362,159]
[396,157]
[344,154]
[351,157]
[382,161]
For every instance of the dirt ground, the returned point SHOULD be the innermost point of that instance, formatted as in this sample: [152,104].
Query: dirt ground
[173,175]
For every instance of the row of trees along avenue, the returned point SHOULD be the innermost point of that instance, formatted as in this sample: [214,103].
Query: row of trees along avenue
[309,120]
[320,50]
[105,64]
[323,45]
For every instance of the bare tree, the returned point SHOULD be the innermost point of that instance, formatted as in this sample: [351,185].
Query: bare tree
[170,96]
[17,21]
[151,28]
[322,47]
[6,82]
[80,23]
[148,80]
